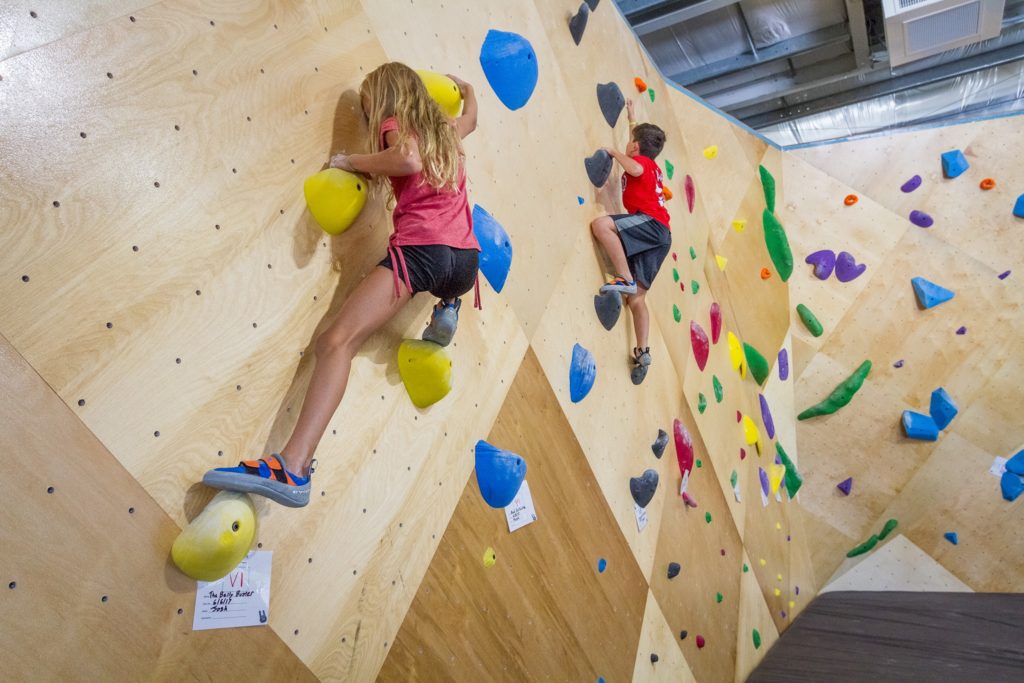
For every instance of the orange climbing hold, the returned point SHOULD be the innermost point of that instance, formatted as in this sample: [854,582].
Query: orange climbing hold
[850,200]
[667,192]
[765,273]
[987,184]
[641,85]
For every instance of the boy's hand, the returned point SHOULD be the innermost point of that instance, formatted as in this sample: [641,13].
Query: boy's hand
[463,85]
[341,161]
[629,109]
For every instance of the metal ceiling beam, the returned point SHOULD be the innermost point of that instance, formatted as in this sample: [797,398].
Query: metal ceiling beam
[858,32]
[682,14]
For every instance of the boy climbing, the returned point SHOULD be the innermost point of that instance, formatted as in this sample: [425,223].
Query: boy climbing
[637,242]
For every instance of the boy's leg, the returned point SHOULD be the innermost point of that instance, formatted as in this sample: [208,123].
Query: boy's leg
[604,230]
[641,318]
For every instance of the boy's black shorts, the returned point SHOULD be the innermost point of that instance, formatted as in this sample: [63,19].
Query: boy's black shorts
[646,241]
[443,271]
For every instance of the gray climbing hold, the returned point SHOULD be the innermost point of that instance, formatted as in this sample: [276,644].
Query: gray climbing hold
[643,487]
[673,569]
[611,100]
[578,23]
[599,167]
[659,444]
[608,307]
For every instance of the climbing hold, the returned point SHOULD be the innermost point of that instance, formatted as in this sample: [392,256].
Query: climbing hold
[841,395]
[824,262]
[961,330]
[794,480]
[766,417]
[778,245]
[510,66]
[777,592]
[911,184]
[711,152]
[611,100]
[688,499]
[691,192]
[643,487]
[682,635]
[684,448]
[217,539]
[918,426]
[757,363]
[599,167]
[699,343]
[578,23]
[745,568]
[426,371]
[951,537]
[763,562]
[719,597]
[673,569]
[954,163]
[1011,485]
[751,434]
[693,254]
[716,322]
[847,268]
[930,294]
[733,479]
[717,386]
[987,184]
[765,273]
[783,364]
[499,474]
[739,225]
[810,320]
[608,306]
[582,372]
[1016,463]
[602,564]
[845,485]
[641,87]
[654,658]
[757,639]
[579,199]
[694,286]
[489,557]
[443,90]
[850,200]
[670,169]
[676,313]
[775,475]
[736,354]
[702,403]
[889,527]
[942,409]
[707,517]
[335,198]
[675,275]
[768,185]
[721,261]
[921,219]
[864,547]
[1005,274]
[495,248]
[650,93]
[898,364]
[1018,207]
[700,642]
[659,444]
[667,193]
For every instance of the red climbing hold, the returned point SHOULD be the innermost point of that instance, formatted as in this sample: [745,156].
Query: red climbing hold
[675,257]
[684,447]
[691,193]
[716,322]
[739,416]
[743,454]
[700,642]
[688,499]
[699,342]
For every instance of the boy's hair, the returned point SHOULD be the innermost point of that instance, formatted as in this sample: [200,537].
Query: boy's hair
[650,138]
[393,89]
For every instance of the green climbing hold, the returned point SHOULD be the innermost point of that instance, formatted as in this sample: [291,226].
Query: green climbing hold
[810,320]
[733,478]
[768,183]
[695,286]
[676,313]
[693,254]
[650,91]
[756,362]
[702,403]
[699,463]
[889,527]
[841,395]
[707,517]
[757,639]
[745,568]
[718,388]
[778,245]
[794,480]
[669,169]
[719,597]
[675,275]
[863,547]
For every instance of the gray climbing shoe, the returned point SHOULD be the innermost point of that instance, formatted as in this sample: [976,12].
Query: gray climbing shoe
[443,323]
[620,285]
[641,361]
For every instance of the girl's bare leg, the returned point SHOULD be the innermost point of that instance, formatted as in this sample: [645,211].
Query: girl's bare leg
[370,306]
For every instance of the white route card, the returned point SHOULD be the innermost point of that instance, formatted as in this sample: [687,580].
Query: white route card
[242,598]
[520,511]
[641,517]
[998,466]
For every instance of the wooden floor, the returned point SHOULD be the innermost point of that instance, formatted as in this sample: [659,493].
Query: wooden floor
[901,636]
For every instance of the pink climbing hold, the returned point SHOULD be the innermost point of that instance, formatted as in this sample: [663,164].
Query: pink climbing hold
[684,447]
[716,322]
[699,342]
[688,499]
[691,192]
[700,642]
[845,485]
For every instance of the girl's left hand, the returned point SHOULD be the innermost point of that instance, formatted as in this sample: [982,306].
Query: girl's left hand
[341,161]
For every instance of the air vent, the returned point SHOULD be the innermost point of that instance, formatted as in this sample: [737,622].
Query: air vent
[915,29]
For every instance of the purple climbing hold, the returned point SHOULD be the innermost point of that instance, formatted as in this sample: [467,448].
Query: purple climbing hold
[824,261]
[783,364]
[797,589]
[961,330]
[847,268]
[1004,275]
[766,417]
[911,184]
[845,485]
[898,364]
[921,219]
[763,476]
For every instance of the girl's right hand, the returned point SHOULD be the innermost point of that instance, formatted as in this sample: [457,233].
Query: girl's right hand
[463,85]
[341,161]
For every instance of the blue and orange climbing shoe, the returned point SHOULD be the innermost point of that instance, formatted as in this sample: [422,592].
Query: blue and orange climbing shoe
[267,477]
[443,323]
[619,284]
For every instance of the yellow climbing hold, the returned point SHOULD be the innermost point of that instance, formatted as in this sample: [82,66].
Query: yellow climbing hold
[778,577]
[335,198]
[775,475]
[763,562]
[739,225]
[217,540]
[721,261]
[752,435]
[426,371]
[443,90]
[778,592]
[778,525]
[489,557]
[711,152]
[792,604]
[736,355]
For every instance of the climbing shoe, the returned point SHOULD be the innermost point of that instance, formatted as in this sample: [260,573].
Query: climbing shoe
[266,477]
[443,322]
[619,284]
[641,361]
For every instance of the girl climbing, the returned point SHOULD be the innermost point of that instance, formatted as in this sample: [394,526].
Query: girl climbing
[432,249]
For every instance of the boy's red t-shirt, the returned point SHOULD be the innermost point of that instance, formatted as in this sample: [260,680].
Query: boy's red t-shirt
[644,193]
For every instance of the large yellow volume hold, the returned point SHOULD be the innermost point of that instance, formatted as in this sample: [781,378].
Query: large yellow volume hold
[444,91]
[218,539]
[426,371]
[736,354]
[335,198]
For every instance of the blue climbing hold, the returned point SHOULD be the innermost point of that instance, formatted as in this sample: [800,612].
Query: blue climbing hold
[579,199]
[1018,208]
[1016,463]
[930,294]
[510,65]
[918,426]
[954,163]
[601,564]
[495,248]
[582,372]
[499,474]
[1012,486]
[942,409]
[951,537]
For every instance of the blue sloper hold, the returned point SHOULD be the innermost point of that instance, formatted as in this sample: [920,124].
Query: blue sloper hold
[1018,208]
[582,372]
[1016,464]
[954,163]
[1012,486]
[942,408]
[499,474]
[951,537]
[510,65]
[930,294]
[495,247]
[918,426]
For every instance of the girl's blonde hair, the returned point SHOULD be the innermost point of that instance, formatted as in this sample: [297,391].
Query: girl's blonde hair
[393,89]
